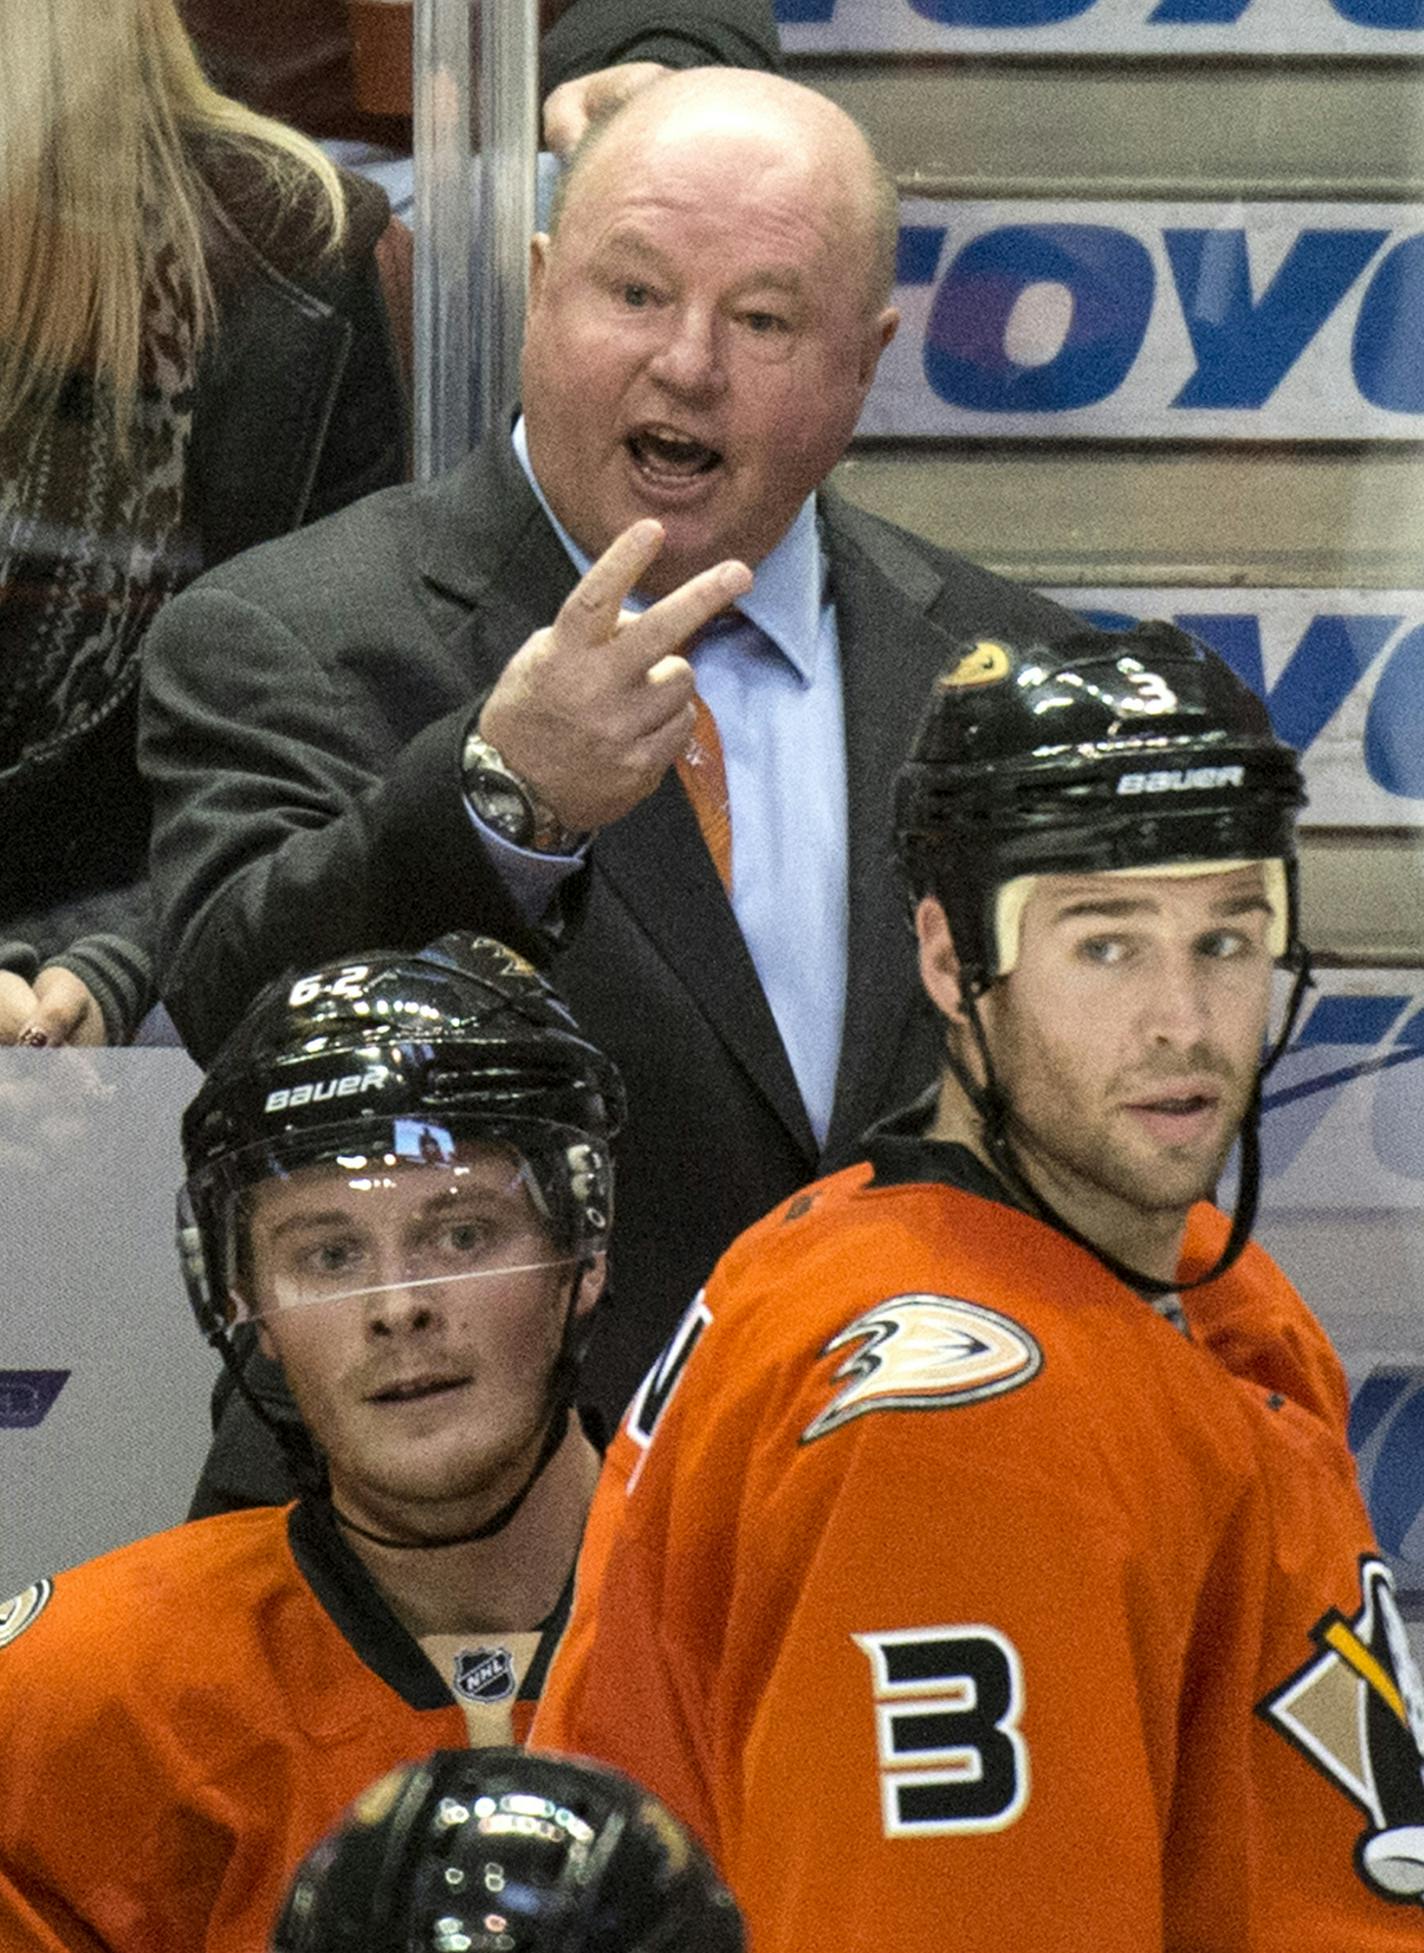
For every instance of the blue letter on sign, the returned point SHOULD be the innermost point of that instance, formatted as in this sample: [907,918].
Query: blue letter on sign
[1322,671]
[999,13]
[1381,13]
[1245,349]
[1197,13]
[1110,278]
[1394,729]
[1388,359]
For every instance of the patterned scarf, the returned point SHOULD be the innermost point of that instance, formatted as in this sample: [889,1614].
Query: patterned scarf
[91,537]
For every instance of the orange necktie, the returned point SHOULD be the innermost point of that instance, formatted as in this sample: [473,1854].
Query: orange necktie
[703,773]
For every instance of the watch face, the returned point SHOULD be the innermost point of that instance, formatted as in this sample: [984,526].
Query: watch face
[500,803]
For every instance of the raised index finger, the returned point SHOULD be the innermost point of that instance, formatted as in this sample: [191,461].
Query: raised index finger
[666,626]
[589,614]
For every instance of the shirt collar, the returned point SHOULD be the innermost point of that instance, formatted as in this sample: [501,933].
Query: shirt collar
[788,588]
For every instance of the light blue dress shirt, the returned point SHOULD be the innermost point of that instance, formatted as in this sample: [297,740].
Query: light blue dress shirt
[770,673]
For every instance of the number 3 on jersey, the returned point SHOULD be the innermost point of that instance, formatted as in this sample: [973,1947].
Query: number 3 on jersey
[947,1703]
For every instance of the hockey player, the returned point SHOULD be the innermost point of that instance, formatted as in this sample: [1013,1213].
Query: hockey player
[499,1850]
[399,1171]
[982,1566]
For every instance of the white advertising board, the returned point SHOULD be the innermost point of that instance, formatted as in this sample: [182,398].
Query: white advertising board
[1252,321]
[1172,28]
[1343,1212]
[1342,672]
[104,1377]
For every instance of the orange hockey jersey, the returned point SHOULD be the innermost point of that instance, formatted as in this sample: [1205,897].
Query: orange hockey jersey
[182,1719]
[964,1604]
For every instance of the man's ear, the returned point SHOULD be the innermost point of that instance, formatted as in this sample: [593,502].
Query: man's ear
[539,248]
[591,1283]
[939,961]
[878,335]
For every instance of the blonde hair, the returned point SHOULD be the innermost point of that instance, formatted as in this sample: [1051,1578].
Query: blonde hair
[101,105]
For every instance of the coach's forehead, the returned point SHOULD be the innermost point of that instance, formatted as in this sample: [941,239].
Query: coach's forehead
[733,127]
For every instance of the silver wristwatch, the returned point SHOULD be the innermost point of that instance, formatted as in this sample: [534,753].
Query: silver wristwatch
[498,797]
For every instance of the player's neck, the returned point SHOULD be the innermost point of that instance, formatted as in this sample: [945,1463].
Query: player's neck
[1149,1240]
[510,1581]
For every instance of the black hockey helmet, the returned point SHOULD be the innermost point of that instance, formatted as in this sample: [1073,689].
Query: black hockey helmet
[501,1851]
[1104,750]
[405,1052]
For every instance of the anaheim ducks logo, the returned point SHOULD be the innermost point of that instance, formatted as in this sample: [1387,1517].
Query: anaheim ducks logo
[1357,1712]
[925,1352]
[986,664]
[17,1614]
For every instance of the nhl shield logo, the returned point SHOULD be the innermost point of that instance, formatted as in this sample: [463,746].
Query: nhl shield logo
[485,1674]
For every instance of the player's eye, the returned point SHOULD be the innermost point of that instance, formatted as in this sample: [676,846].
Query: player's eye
[328,1259]
[1219,944]
[637,297]
[465,1237]
[1104,951]
[765,324]
[460,1241]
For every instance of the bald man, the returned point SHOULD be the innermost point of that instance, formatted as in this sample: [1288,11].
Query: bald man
[478,704]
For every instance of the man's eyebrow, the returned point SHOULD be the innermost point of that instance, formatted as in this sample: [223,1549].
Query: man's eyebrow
[631,244]
[447,1200]
[628,243]
[1115,908]
[1244,905]
[1111,907]
[773,278]
[308,1219]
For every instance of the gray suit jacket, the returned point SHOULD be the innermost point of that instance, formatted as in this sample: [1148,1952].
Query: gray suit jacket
[303,717]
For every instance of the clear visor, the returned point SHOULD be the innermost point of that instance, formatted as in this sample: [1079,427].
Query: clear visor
[422,1216]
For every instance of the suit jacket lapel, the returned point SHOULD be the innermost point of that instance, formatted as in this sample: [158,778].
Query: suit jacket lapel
[489,546]
[658,865]
[890,653]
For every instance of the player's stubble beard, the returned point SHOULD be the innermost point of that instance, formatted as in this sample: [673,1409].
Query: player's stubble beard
[1074,1141]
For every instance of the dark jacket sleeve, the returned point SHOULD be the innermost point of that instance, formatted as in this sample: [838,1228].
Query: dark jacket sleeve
[291,824]
[301,403]
[117,969]
[104,939]
[715,33]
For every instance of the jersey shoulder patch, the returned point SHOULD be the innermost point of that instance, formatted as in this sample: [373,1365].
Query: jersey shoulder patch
[925,1352]
[1355,1710]
[23,1610]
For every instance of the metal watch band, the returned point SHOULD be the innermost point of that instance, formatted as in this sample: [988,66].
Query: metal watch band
[499,797]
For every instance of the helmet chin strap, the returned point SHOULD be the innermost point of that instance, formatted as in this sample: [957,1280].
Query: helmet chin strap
[553,1437]
[302,1462]
[992,1105]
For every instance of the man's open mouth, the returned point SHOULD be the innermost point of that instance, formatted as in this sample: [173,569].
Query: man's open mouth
[413,1389]
[664,454]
